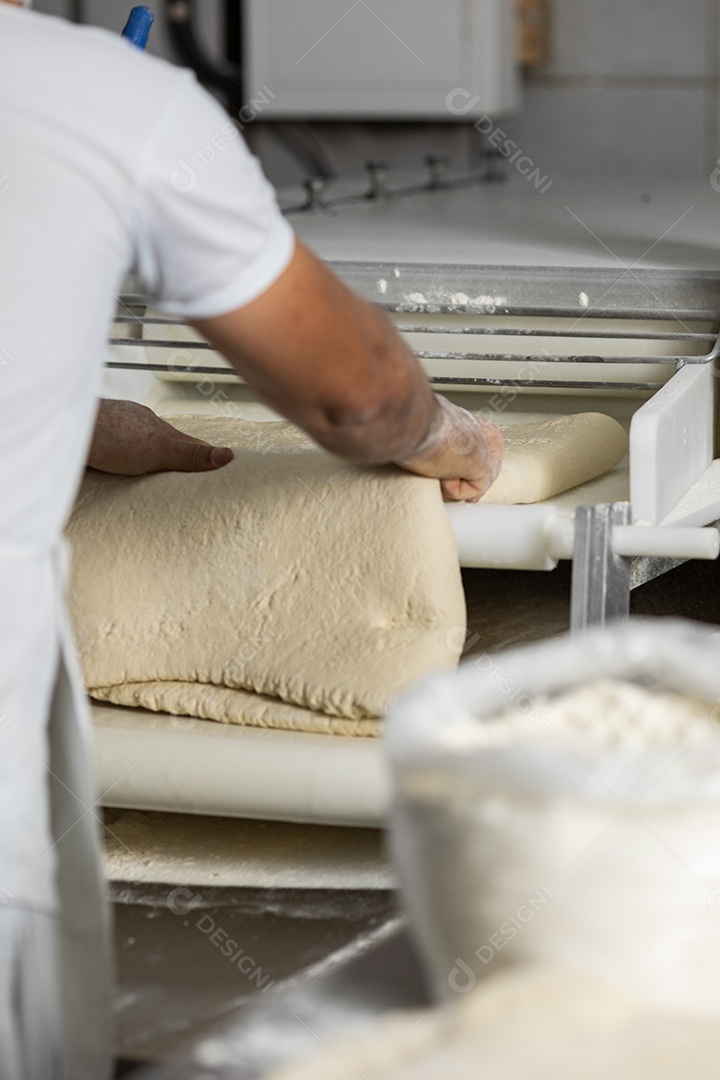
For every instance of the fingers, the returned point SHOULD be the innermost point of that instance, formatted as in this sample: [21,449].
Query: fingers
[180,452]
[181,455]
[461,491]
[478,449]
[494,441]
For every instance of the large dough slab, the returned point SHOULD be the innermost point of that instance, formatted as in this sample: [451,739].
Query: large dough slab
[289,589]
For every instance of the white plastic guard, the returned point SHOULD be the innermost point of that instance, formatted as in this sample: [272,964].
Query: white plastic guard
[671,442]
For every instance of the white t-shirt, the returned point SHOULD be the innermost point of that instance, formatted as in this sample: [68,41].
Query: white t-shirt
[104,167]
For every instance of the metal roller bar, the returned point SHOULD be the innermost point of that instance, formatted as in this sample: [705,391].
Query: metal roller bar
[547,358]
[500,331]
[648,293]
[497,331]
[201,371]
[631,314]
[574,384]
[516,358]
[149,320]
[173,369]
[162,344]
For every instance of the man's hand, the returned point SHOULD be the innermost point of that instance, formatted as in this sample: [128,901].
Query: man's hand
[462,451]
[130,440]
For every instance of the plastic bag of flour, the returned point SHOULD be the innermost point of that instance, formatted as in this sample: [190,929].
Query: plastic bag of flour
[560,803]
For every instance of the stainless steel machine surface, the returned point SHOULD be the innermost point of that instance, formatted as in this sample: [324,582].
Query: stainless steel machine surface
[343,995]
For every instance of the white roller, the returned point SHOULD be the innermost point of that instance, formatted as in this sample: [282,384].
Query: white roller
[152,761]
[536,537]
[666,543]
[503,537]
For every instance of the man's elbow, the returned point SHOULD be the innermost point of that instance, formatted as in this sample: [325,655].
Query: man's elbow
[367,429]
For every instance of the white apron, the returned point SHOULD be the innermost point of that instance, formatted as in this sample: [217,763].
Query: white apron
[55,979]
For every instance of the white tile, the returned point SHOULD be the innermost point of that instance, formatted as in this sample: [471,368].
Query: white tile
[629,37]
[613,132]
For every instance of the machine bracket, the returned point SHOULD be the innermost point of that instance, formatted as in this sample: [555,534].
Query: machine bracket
[600,578]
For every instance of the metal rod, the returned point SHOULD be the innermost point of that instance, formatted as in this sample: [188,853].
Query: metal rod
[600,578]
[476,331]
[548,383]
[436,380]
[505,331]
[501,358]
[518,311]
[161,344]
[550,358]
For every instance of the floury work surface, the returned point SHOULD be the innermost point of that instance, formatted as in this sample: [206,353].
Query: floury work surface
[187,958]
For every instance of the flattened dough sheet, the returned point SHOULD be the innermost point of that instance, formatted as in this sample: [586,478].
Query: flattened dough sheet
[544,459]
[288,589]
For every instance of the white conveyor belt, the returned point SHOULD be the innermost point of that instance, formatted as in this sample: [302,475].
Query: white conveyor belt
[152,761]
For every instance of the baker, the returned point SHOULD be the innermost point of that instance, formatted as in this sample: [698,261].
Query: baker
[94,137]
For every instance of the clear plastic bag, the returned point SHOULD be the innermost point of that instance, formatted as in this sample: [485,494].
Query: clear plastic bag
[520,835]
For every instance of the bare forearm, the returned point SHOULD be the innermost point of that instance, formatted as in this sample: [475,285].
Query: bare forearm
[386,414]
[332,363]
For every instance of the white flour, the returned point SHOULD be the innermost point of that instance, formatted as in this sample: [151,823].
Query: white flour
[610,713]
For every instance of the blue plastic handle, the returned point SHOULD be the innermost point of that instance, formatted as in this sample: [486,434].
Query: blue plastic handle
[137,28]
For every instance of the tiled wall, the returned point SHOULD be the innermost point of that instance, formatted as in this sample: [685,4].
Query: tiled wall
[631,88]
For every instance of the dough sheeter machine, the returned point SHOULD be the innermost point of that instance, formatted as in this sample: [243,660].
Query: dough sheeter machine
[522,344]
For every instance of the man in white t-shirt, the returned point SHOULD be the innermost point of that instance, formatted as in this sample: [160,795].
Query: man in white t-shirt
[94,137]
